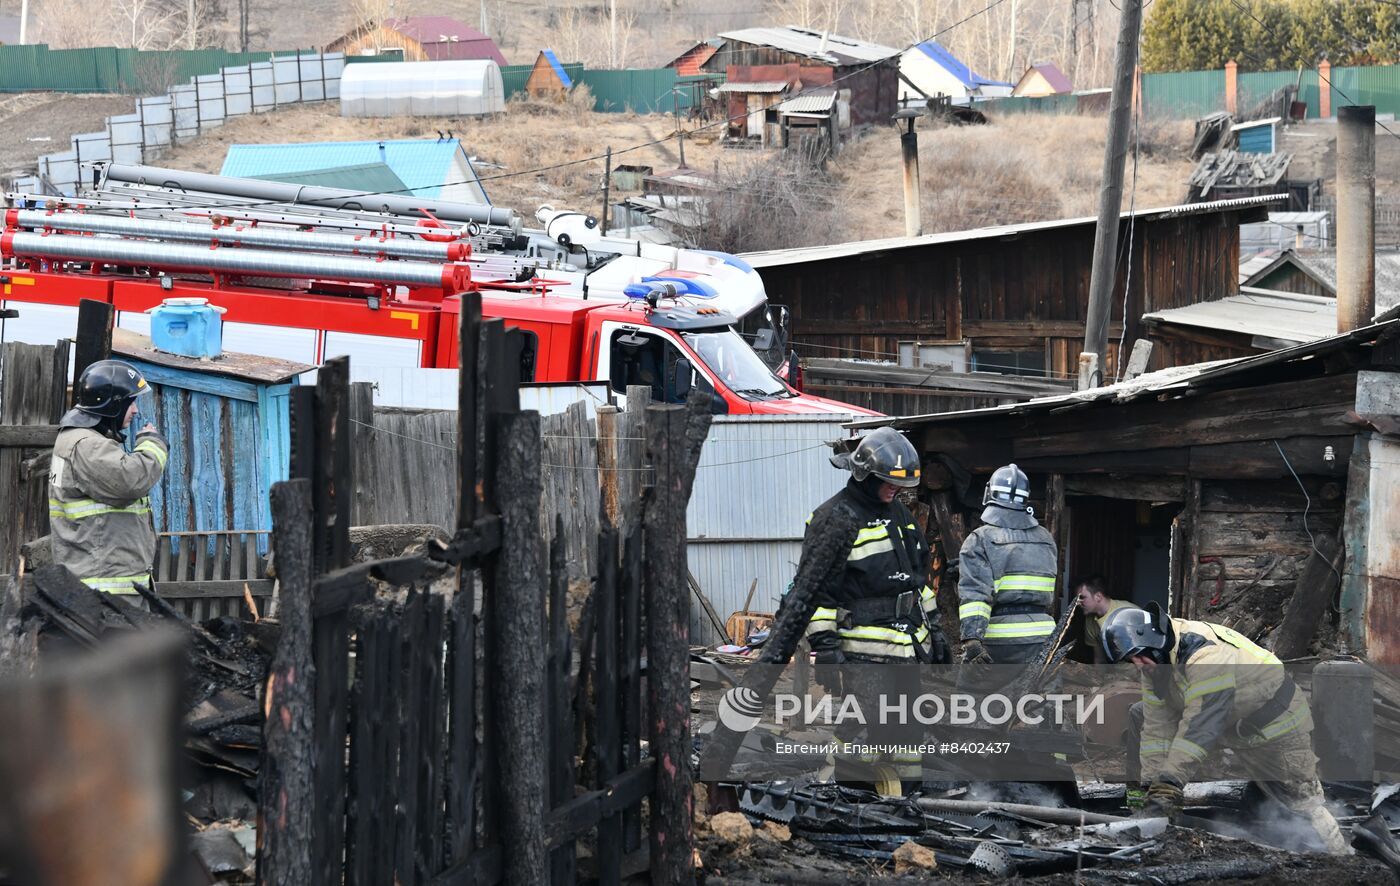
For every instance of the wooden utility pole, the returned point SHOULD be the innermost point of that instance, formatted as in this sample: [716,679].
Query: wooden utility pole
[1104,272]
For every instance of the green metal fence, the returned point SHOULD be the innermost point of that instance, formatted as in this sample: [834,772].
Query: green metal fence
[36,68]
[1379,86]
[645,90]
[1185,94]
[1254,87]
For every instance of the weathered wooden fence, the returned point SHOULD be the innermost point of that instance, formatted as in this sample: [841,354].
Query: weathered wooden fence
[442,750]
[33,387]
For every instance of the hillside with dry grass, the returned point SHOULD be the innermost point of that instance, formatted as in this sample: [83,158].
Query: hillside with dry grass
[1016,169]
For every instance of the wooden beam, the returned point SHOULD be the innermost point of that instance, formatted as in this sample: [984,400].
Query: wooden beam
[1130,488]
[33,436]
[94,335]
[285,786]
[1312,594]
[1031,328]
[988,383]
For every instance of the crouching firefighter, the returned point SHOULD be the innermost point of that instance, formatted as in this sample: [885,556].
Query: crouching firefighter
[98,504]
[1206,688]
[1006,584]
[876,607]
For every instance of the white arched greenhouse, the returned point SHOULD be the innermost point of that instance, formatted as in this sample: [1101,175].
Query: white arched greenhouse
[456,88]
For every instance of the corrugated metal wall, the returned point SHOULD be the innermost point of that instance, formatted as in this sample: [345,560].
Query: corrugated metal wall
[759,479]
[1183,94]
[1256,86]
[35,67]
[1379,86]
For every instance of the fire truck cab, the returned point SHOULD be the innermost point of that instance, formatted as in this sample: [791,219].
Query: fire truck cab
[666,344]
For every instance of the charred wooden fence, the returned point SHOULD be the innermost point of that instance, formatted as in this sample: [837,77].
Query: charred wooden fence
[434,719]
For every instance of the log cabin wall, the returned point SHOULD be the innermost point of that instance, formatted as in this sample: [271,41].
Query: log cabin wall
[1023,291]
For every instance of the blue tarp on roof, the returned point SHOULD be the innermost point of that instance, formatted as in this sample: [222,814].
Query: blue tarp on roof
[954,66]
[558,68]
[424,165]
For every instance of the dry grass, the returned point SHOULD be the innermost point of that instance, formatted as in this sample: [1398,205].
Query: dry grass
[1017,169]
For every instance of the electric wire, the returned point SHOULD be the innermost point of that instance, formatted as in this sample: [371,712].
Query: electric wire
[1307,506]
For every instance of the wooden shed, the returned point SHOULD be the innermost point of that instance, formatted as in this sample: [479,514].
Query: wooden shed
[419,38]
[1262,493]
[807,59]
[227,423]
[1015,295]
[548,79]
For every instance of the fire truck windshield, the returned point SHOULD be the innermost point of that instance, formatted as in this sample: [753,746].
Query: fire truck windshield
[735,365]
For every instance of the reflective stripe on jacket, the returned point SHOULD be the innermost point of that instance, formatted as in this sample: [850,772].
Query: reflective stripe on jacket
[889,557]
[1008,561]
[99,510]
[1193,705]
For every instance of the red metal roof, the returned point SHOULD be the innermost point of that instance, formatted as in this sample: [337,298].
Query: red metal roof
[444,37]
[1055,77]
[688,63]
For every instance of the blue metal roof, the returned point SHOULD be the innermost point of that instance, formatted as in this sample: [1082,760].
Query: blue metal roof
[954,66]
[423,165]
[558,68]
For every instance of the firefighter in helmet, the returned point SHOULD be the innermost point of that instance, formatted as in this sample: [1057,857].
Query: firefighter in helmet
[1006,584]
[98,504]
[876,607]
[1206,688]
[880,609]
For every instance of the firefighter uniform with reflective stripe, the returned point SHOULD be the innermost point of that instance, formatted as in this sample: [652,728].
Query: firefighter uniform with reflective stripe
[880,606]
[1006,584]
[99,507]
[1207,697]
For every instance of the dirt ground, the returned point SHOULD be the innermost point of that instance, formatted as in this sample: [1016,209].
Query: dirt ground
[35,123]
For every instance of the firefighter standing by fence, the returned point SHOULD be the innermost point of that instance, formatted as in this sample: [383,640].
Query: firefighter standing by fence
[1006,583]
[98,504]
[1205,688]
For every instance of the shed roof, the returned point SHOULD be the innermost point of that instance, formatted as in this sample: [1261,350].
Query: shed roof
[1053,75]
[1250,124]
[818,103]
[778,257]
[1257,268]
[244,367]
[375,177]
[1275,319]
[1176,380]
[764,86]
[830,48]
[558,68]
[423,165]
[955,66]
[1324,263]
[431,29]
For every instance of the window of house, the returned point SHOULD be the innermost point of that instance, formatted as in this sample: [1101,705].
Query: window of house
[1009,362]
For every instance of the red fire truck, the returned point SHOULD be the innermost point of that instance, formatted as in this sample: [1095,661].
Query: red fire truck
[295,290]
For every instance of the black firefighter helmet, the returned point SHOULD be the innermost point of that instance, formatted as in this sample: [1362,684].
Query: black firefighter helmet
[107,387]
[883,453]
[1131,631]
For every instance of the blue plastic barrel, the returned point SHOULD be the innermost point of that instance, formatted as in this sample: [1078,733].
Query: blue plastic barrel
[190,327]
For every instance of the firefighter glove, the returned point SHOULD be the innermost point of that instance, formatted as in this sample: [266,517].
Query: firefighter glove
[150,433]
[828,669]
[1164,797]
[973,652]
